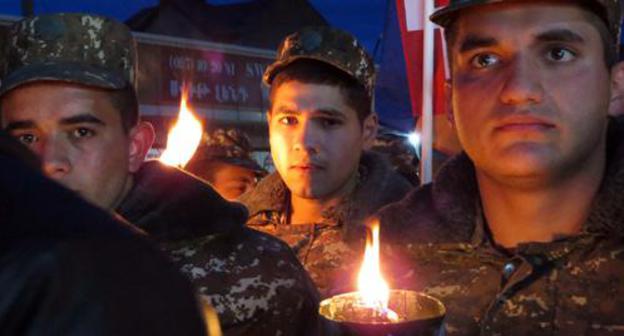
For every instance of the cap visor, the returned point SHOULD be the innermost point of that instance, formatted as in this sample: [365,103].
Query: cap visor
[63,72]
[275,69]
[245,163]
[445,16]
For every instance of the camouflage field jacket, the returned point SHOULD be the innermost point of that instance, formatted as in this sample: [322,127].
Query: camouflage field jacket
[572,286]
[329,250]
[253,280]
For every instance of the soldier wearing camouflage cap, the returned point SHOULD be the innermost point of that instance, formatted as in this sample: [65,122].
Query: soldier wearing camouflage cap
[67,93]
[521,234]
[327,183]
[224,159]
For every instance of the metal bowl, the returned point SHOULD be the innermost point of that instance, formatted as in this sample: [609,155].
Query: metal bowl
[419,314]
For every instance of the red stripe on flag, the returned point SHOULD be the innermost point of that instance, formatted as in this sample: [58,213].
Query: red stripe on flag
[413,53]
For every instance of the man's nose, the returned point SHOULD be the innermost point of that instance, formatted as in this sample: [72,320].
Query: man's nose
[55,160]
[307,138]
[522,83]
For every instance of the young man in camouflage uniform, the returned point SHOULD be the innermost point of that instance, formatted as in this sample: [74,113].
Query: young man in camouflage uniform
[523,233]
[67,93]
[320,122]
[224,160]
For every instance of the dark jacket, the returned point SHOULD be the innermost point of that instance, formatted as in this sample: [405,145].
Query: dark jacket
[67,268]
[253,280]
[330,248]
[571,286]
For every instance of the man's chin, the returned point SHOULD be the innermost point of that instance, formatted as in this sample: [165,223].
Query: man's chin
[306,192]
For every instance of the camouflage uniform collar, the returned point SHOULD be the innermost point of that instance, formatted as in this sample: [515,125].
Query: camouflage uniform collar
[455,191]
[270,195]
[535,253]
[279,203]
[378,182]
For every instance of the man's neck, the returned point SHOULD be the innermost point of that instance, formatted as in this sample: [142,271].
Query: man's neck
[128,185]
[310,210]
[543,212]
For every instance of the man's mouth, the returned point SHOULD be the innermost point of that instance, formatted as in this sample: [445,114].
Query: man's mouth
[524,123]
[306,167]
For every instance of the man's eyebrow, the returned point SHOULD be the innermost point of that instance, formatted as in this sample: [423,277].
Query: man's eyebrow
[560,35]
[472,41]
[81,119]
[20,124]
[330,112]
[327,112]
[287,110]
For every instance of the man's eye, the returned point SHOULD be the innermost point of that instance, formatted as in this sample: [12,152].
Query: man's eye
[82,132]
[27,138]
[330,122]
[559,54]
[484,61]
[287,120]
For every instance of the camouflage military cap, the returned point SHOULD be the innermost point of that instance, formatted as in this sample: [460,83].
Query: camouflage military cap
[610,11]
[328,45]
[75,48]
[230,146]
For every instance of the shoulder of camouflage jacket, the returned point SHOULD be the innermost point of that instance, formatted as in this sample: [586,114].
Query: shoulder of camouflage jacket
[245,275]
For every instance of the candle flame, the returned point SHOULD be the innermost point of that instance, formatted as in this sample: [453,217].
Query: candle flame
[184,136]
[373,289]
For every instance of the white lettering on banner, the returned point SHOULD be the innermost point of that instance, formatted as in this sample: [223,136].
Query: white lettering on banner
[254,69]
[231,94]
[414,11]
[202,65]
[181,62]
[196,90]
[222,93]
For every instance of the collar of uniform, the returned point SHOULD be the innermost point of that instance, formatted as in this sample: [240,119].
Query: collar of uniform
[377,184]
[332,216]
[456,196]
[537,254]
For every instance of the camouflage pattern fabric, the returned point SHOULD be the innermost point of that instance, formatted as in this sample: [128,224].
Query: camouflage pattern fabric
[571,286]
[331,249]
[328,45]
[253,280]
[77,48]
[228,145]
[401,155]
[609,10]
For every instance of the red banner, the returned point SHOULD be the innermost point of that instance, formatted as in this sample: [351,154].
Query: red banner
[412,21]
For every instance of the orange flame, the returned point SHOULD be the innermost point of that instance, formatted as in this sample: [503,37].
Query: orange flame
[183,138]
[374,290]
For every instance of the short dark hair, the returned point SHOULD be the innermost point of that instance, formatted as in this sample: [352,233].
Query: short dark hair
[126,102]
[317,72]
[595,16]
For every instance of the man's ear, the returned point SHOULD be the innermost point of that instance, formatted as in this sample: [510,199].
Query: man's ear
[448,102]
[268,117]
[616,104]
[141,137]
[370,124]
[268,120]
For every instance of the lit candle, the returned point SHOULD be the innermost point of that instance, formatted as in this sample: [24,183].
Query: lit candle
[184,137]
[375,309]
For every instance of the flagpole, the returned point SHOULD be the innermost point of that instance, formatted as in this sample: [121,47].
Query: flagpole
[426,163]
